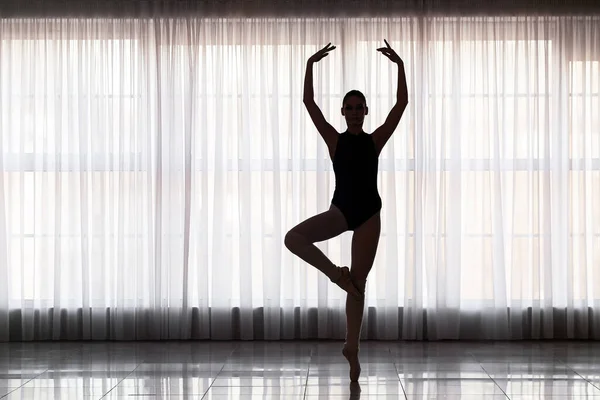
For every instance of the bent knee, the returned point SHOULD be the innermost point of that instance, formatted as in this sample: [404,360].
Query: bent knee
[293,240]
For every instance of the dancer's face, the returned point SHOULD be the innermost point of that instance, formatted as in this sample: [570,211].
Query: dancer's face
[354,110]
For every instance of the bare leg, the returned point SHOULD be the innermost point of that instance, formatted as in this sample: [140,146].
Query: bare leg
[364,248]
[299,240]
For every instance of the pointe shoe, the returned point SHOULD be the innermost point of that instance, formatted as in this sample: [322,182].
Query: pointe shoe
[345,282]
[352,357]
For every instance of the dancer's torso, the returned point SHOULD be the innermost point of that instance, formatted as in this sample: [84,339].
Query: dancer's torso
[355,165]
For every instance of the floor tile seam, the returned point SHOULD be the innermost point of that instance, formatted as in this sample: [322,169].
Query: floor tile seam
[21,387]
[397,373]
[119,382]
[13,389]
[237,346]
[312,350]
[582,377]
[125,377]
[488,374]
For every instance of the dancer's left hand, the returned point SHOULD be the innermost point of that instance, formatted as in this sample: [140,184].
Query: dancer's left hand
[390,53]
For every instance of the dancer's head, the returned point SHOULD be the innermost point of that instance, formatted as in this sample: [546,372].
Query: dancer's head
[354,108]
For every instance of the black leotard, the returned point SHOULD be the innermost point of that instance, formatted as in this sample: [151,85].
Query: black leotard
[355,164]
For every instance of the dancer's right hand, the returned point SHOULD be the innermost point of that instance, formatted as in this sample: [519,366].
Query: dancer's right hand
[321,53]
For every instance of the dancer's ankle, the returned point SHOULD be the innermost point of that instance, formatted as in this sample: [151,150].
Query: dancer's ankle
[351,347]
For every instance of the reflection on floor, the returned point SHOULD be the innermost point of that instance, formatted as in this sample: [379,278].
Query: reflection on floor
[299,370]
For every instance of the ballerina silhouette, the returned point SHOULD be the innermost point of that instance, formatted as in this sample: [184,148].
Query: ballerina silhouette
[356,203]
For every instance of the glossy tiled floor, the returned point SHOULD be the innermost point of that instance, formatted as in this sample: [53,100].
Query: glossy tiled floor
[299,370]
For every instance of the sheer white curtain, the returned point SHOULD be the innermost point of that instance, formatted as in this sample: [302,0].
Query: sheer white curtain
[151,168]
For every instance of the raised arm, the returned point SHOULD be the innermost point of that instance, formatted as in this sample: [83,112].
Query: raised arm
[327,132]
[382,134]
